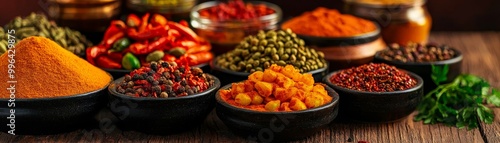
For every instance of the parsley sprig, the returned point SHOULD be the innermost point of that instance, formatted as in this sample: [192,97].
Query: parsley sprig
[460,103]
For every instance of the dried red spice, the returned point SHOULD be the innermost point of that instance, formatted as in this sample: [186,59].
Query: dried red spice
[165,80]
[236,10]
[374,78]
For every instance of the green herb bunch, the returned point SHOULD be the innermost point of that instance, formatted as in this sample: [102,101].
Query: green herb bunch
[460,103]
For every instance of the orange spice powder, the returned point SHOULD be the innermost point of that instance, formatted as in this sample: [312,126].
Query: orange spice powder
[325,22]
[43,69]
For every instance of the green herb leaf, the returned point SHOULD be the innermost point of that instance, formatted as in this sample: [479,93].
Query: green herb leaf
[460,103]
[439,74]
[494,98]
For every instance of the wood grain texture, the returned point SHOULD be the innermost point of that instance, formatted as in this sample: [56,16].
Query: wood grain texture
[481,58]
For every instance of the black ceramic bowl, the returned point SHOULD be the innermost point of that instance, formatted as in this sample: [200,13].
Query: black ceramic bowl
[44,116]
[118,73]
[362,106]
[349,51]
[228,76]
[424,70]
[161,115]
[276,126]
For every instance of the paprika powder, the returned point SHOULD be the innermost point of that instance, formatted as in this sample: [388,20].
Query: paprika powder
[43,69]
[325,22]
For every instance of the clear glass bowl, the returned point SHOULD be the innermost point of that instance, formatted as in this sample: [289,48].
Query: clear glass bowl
[226,34]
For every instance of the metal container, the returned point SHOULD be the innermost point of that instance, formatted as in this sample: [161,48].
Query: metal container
[84,15]
[171,9]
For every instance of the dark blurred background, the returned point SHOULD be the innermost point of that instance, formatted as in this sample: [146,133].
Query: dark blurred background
[448,15]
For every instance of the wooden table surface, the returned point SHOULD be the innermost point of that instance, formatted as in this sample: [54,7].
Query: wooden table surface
[481,57]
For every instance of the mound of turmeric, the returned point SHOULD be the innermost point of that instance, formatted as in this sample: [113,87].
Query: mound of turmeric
[277,89]
[40,68]
[325,22]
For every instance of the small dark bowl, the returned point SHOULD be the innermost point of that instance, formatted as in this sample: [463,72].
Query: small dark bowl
[276,126]
[228,76]
[365,106]
[118,73]
[424,70]
[161,115]
[43,116]
[346,52]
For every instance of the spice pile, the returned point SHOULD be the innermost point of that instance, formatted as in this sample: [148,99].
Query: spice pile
[127,45]
[325,22]
[235,10]
[373,78]
[51,71]
[414,52]
[277,89]
[39,25]
[282,47]
[165,80]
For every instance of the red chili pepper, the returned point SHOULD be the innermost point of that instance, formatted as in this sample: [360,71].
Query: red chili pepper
[169,58]
[115,56]
[185,31]
[115,27]
[138,48]
[133,20]
[106,62]
[147,34]
[158,20]
[199,48]
[144,22]
[93,52]
[108,43]
[184,23]
[173,33]
[199,58]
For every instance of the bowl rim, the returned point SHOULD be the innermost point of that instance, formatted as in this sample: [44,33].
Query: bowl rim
[112,92]
[419,85]
[194,14]
[334,102]
[215,66]
[459,57]
[63,97]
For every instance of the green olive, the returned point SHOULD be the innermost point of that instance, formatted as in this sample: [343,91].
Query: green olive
[274,51]
[254,42]
[256,55]
[233,68]
[281,51]
[261,48]
[293,58]
[258,69]
[256,63]
[254,49]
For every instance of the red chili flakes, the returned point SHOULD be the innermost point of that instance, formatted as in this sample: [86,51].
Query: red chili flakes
[236,10]
[373,78]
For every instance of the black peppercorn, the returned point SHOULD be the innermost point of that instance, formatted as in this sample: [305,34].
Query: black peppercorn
[166,75]
[144,75]
[150,79]
[151,72]
[165,64]
[183,82]
[168,88]
[137,77]
[181,89]
[190,92]
[162,80]
[155,83]
[156,89]
[120,90]
[129,90]
[154,66]
[182,69]
[169,82]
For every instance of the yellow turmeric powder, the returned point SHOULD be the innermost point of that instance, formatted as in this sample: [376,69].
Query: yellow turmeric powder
[325,22]
[43,69]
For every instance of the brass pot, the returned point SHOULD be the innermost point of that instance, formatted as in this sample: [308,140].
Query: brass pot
[84,15]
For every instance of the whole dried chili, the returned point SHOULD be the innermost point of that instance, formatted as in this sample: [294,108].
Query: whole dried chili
[165,80]
[373,78]
[142,37]
[236,10]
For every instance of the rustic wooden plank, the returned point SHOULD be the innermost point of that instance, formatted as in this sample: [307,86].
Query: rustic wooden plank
[480,51]
[492,40]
